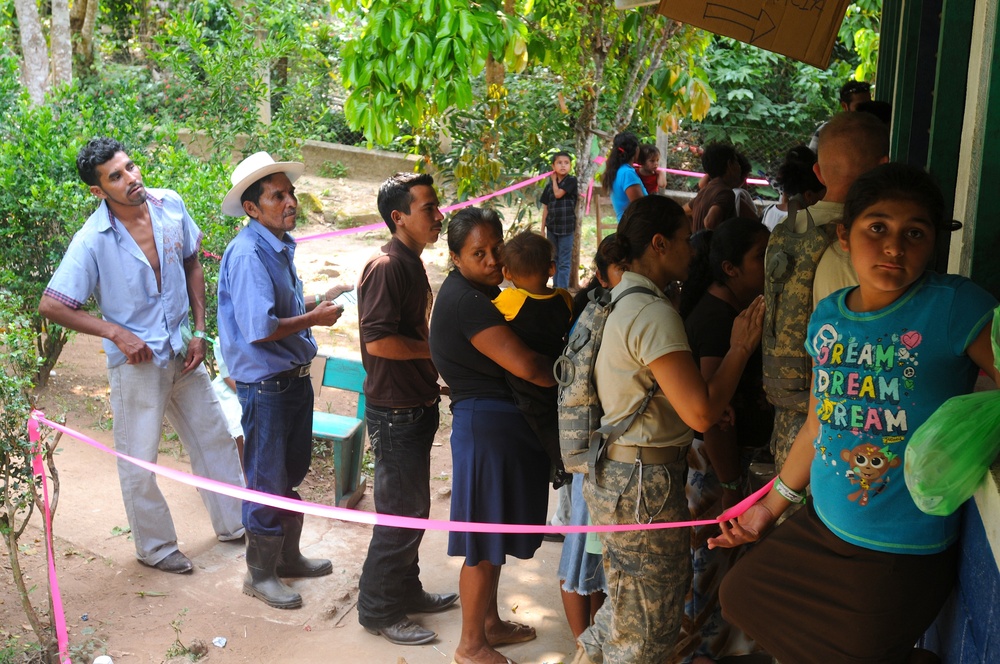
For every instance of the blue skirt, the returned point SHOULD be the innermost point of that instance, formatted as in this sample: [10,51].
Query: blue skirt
[580,572]
[500,475]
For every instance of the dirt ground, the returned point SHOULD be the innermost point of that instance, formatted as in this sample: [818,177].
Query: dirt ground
[115,606]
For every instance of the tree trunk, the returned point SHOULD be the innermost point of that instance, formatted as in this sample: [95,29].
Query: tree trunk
[62,50]
[82,23]
[34,52]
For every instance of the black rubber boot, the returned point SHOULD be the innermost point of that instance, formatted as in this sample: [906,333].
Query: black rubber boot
[292,563]
[261,581]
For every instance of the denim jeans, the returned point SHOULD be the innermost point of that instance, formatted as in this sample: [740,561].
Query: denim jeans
[277,444]
[401,441]
[564,258]
[141,395]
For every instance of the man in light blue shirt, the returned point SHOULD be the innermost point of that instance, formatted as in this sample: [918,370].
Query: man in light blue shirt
[137,255]
[264,325]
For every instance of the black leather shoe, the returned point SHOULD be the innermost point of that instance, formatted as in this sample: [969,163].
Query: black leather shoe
[432,602]
[405,633]
[175,563]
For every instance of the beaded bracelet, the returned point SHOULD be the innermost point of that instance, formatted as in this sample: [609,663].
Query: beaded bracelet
[789,494]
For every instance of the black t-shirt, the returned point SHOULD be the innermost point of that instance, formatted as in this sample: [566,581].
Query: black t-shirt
[460,312]
[394,297]
[708,327]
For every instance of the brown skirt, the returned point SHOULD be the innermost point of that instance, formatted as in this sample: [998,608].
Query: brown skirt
[807,596]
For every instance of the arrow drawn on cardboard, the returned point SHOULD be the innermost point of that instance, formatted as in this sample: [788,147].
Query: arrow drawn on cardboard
[759,25]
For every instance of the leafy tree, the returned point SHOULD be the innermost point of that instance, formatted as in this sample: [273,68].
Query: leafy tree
[605,64]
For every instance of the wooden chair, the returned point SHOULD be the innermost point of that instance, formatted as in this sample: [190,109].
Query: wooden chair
[347,433]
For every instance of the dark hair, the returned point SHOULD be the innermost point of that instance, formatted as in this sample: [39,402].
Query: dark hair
[252,193]
[465,220]
[852,88]
[622,150]
[647,150]
[527,254]
[562,153]
[716,157]
[896,182]
[880,109]
[795,174]
[745,168]
[609,253]
[731,241]
[93,154]
[394,194]
[645,217]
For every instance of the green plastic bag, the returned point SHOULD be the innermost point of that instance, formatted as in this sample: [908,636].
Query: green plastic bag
[952,451]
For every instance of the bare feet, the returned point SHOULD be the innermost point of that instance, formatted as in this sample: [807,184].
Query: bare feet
[508,632]
[485,655]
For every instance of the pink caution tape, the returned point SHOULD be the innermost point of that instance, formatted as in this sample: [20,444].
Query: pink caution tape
[59,617]
[58,613]
[375,519]
[464,204]
[444,210]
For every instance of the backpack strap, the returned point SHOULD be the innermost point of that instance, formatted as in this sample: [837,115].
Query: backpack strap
[600,439]
[604,436]
[796,203]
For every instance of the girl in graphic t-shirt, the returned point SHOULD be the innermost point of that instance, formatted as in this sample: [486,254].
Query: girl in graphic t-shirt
[861,573]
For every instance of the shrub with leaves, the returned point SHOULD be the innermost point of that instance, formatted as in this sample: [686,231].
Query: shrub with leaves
[18,494]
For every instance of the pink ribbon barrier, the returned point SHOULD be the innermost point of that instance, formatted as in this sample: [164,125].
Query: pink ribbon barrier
[464,204]
[58,613]
[694,174]
[375,519]
[444,210]
[340,513]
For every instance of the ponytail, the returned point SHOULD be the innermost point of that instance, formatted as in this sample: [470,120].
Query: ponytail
[622,150]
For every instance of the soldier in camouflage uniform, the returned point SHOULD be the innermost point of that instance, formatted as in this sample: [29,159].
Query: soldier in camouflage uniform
[804,264]
[644,374]
[648,571]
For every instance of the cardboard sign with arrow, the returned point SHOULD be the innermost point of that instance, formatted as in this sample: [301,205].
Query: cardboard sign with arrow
[801,29]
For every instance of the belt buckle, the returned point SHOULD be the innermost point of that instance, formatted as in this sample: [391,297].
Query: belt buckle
[302,371]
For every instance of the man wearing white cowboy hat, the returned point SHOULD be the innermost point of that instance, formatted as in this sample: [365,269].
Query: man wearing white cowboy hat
[264,325]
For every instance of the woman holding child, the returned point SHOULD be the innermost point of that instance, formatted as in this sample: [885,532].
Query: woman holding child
[641,477]
[500,470]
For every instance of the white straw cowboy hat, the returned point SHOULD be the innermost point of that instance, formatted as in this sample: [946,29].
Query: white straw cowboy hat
[251,169]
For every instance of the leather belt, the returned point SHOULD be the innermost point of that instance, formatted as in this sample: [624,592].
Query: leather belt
[295,372]
[648,455]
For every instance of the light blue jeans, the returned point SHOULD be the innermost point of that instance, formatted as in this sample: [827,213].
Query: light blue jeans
[141,395]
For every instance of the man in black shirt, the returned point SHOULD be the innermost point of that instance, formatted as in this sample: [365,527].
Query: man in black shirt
[402,395]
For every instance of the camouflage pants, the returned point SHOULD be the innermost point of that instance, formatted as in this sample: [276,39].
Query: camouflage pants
[648,571]
[786,427]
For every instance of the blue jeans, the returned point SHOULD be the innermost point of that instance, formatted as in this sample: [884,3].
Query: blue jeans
[564,258]
[277,444]
[401,441]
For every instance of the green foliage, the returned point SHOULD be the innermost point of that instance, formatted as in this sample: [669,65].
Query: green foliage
[17,481]
[333,169]
[519,120]
[43,202]
[217,74]
[16,401]
[417,59]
